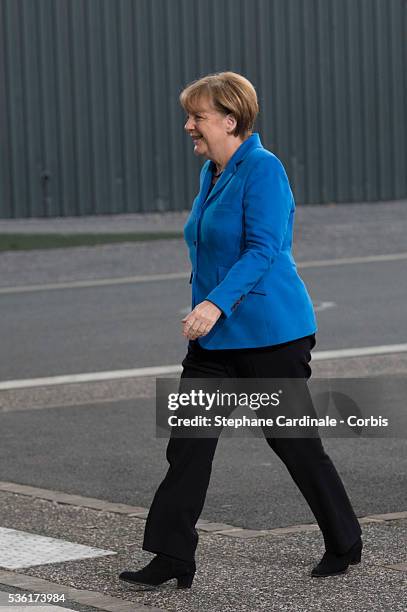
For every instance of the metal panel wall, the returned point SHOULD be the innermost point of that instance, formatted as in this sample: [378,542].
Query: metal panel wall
[89,115]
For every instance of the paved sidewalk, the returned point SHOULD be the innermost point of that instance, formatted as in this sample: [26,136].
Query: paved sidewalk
[248,572]
[321,232]
[389,214]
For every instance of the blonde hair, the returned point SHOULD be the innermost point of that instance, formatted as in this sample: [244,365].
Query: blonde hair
[229,92]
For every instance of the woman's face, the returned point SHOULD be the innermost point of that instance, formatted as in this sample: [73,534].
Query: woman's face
[209,129]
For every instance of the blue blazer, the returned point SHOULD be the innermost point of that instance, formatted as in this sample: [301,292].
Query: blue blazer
[239,239]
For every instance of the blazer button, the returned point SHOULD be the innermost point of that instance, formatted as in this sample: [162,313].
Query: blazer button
[194,242]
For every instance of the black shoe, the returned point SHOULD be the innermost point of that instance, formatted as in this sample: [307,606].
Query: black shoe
[332,564]
[161,569]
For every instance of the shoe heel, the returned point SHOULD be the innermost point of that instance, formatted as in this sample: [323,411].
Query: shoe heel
[185,581]
[356,557]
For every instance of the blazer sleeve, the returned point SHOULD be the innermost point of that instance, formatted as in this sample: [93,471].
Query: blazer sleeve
[267,203]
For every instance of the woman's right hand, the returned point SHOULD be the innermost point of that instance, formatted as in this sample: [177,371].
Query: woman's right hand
[200,320]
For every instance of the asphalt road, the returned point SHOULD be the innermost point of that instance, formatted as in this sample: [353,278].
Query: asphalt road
[109,450]
[68,331]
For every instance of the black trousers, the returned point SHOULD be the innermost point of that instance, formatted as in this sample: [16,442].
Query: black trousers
[179,500]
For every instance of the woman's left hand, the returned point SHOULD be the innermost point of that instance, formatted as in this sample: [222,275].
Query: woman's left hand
[200,321]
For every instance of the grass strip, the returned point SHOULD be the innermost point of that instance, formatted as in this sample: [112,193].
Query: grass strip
[27,242]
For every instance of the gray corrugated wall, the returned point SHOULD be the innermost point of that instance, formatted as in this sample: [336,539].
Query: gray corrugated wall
[89,115]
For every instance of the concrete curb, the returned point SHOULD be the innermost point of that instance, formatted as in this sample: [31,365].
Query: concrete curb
[89,598]
[222,529]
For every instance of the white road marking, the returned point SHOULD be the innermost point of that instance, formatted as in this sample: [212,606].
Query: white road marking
[175,369]
[89,377]
[152,278]
[351,260]
[4,600]
[123,280]
[24,549]
[323,306]
[360,351]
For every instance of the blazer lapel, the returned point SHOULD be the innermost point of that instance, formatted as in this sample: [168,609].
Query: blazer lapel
[205,185]
[221,183]
[253,142]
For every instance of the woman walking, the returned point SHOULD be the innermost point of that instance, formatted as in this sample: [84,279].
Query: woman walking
[251,317]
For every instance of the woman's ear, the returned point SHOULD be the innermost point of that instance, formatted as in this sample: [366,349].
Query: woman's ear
[231,123]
